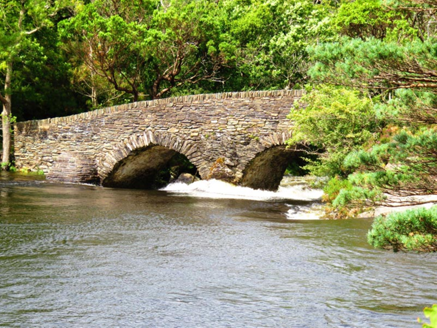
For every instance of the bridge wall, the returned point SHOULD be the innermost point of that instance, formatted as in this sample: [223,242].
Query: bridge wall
[226,129]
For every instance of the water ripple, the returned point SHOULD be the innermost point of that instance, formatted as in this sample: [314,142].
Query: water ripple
[82,256]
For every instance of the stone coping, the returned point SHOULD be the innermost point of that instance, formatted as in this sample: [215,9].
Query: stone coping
[164,101]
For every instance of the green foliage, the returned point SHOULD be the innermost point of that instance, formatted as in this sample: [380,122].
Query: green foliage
[344,199]
[407,162]
[355,194]
[272,37]
[375,63]
[333,188]
[42,80]
[413,230]
[11,118]
[21,19]
[399,60]
[297,167]
[152,49]
[20,22]
[8,167]
[177,165]
[27,171]
[147,49]
[117,51]
[379,19]
[335,120]
[387,50]
[430,313]
[364,18]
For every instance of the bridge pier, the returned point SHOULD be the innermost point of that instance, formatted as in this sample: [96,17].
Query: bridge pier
[73,167]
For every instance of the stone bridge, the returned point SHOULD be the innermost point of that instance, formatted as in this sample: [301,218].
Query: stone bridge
[237,137]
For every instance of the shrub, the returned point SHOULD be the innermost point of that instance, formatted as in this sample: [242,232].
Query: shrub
[430,313]
[335,121]
[412,230]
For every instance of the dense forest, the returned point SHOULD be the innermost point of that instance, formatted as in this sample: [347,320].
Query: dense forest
[369,69]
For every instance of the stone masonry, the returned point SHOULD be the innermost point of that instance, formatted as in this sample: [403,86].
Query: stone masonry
[223,135]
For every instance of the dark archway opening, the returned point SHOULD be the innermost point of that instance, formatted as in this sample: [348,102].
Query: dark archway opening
[297,165]
[267,169]
[151,167]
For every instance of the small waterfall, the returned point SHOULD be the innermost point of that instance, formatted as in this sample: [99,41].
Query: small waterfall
[291,188]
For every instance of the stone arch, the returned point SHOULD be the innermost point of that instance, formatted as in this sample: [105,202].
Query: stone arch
[275,139]
[266,168]
[136,150]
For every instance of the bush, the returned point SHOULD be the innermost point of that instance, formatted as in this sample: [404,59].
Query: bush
[412,230]
[430,313]
[334,121]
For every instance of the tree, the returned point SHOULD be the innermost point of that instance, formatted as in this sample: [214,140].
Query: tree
[145,48]
[19,20]
[365,18]
[401,64]
[272,39]
[384,66]
[391,57]
[86,82]
[42,80]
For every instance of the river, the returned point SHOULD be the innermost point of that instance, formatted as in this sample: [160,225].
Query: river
[200,256]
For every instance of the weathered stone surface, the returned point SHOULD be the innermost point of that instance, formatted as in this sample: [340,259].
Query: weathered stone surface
[393,204]
[236,127]
[221,171]
[72,167]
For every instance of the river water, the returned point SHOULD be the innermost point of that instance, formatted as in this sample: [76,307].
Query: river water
[201,256]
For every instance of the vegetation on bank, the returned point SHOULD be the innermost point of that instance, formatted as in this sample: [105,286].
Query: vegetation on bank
[412,230]
[378,89]
[430,313]
[371,111]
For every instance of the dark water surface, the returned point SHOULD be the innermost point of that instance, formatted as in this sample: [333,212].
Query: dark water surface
[84,256]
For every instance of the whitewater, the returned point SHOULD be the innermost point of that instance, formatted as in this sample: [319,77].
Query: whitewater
[304,202]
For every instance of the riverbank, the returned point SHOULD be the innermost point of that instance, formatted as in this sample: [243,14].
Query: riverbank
[395,204]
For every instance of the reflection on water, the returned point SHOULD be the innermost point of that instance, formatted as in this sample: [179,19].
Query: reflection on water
[85,256]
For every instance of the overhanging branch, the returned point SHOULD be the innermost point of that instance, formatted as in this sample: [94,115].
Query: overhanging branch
[3,100]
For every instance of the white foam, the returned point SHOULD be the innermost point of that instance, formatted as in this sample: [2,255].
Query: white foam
[312,212]
[220,189]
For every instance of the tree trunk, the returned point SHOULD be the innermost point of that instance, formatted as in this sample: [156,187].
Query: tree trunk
[6,118]
[93,81]
[94,95]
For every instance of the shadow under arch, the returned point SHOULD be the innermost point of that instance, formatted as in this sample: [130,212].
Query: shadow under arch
[139,161]
[266,169]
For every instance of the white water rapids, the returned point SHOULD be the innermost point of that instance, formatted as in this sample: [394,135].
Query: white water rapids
[291,189]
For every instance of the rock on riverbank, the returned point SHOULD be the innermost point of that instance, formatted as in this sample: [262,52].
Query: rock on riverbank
[399,204]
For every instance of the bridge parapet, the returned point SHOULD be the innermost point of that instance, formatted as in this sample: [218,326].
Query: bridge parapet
[233,127]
